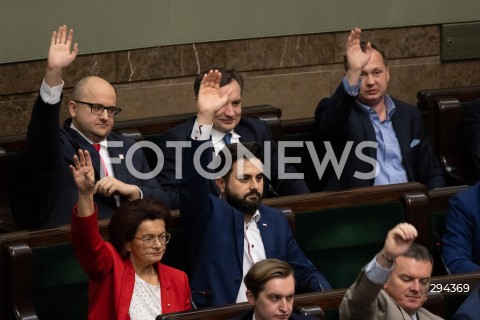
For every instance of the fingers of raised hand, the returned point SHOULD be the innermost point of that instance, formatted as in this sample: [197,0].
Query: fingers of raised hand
[212,79]
[406,231]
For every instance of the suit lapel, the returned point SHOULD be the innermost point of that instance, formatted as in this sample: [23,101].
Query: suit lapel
[79,142]
[368,130]
[403,137]
[239,232]
[267,237]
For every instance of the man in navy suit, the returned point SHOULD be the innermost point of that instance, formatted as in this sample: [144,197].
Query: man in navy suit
[461,239]
[93,112]
[227,121]
[382,140]
[227,234]
[470,308]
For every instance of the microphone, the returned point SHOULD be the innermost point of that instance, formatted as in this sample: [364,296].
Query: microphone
[206,294]
[437,240]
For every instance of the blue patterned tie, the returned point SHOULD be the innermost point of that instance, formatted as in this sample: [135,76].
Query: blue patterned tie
[227,138]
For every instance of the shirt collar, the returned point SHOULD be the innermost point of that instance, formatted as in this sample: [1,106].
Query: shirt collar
[256,216]
[218,135]
[102,143]
[389,104]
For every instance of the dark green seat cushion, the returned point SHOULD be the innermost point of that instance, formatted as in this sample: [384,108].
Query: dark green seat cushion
[341,241]
[60,287]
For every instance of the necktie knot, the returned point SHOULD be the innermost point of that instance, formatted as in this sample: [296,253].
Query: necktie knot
[227,138]
[96,146]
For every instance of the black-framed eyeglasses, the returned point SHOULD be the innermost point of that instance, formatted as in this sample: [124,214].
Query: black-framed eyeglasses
[97,109]
[149,241]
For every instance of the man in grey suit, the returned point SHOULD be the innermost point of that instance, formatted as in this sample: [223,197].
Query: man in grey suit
[394,285]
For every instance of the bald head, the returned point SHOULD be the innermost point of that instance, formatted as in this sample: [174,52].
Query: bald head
[88,91]
[93,86]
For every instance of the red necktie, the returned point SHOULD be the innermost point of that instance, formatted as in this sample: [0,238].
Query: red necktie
[97,147]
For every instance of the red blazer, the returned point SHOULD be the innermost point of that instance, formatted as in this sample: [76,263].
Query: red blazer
[112,278]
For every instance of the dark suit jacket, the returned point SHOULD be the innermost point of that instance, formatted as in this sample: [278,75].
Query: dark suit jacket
[340,119]
[215,235]
[249,316]
[51,151]
[470,308]
[471,120]
[249,129]
[461,240]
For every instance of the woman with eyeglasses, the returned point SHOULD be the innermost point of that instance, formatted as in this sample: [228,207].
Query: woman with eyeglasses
[127,280]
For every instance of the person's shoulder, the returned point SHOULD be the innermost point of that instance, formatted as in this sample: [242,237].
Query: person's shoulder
[472,192]
[249,120]
[269,210]
[185,125]
[404,106]
[171,270]
[251,123]
[181,131]
[245,316]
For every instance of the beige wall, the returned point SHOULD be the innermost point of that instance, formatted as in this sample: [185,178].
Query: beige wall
[292,72]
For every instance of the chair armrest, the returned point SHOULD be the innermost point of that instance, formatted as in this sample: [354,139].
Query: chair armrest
[20,261]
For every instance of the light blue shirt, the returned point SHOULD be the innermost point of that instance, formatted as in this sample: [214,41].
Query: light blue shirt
[389,156]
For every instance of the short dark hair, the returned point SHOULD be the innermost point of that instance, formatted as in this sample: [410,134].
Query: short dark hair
[228,75]
[363,44]
[418,252]
[127,218]
[236,149]
[263,271]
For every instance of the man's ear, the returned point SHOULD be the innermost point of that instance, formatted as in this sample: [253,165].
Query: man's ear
[385,286]
[72,108]
[250,297]
[220,182]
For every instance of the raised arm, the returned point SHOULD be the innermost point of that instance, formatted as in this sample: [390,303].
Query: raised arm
[60,55]
[210,100]
[398,240]
[356,58]
[84,177]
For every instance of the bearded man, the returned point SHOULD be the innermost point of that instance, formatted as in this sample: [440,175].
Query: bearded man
[226,235]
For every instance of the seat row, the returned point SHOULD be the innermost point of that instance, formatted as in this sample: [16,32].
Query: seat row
[339,231]
[442,110]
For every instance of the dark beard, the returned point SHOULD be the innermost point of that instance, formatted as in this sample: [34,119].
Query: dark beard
[242,204]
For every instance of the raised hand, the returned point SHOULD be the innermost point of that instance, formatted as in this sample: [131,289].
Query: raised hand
[60,55]
[84,177]
[83,172]
[210,100]
[399,239]
[356,58]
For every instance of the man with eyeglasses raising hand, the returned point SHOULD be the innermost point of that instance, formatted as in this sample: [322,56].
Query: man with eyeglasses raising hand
[93,112]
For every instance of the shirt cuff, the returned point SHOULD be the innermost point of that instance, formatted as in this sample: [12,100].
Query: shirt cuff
[51,95]
[201,132]
[140,190]
[351,90]
[376,273]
